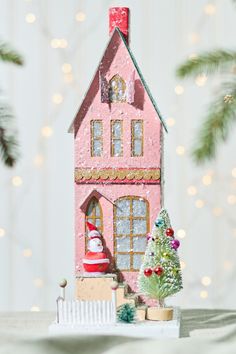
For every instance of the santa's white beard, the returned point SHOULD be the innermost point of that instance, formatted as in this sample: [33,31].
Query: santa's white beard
[95,245]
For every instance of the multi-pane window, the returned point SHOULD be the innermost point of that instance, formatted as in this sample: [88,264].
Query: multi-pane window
[116,138]
[117,89]
[94,215]
[131,224]
[96,131]
[136,137]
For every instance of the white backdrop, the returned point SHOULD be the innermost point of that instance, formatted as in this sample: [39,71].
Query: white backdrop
[36,198]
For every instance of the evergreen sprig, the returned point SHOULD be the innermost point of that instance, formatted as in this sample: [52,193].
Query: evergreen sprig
[8,137]
[9,55]
[217,125]
[126,313]
[208,63]
[222,110]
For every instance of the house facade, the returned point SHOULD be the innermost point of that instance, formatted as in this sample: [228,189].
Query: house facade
[118,156]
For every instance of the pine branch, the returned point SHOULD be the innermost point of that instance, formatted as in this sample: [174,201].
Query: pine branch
[208,63]
[8,140]
[9,55]
[217,125]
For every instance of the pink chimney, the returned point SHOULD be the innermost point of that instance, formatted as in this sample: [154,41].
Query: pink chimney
[119,17]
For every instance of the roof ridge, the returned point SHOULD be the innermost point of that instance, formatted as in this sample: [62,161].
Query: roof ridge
[142,78]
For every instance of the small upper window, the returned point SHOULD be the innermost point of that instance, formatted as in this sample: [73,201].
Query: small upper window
[136,137]
[96,138]
[117,89]
[116,138]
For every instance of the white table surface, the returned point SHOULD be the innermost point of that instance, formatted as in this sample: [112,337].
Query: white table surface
[212,331]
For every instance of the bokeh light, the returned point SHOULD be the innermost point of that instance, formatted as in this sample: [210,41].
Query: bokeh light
[57,98]
[181,233]
[27,253]
[180,150]
[192,190]
[199,203]
[30,18]
[206,281]
[210,9]
[170,122]
[2,232]
[35,308]
[16,181]
[46,131]
[204,294]
[80,16]
[179,90]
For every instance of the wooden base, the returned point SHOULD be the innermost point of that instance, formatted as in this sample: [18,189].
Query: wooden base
[160,314]
[145,329]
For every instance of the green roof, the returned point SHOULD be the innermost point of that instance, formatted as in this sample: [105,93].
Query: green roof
[142,79]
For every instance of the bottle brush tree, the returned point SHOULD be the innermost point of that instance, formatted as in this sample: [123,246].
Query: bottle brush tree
[126,313]
[160,273]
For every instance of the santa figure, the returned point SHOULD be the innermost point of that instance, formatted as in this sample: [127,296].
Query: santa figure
[95,260]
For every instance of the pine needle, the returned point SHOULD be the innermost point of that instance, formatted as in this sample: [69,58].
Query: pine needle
[9,55]
[8,139]
[216,127]
[208,63]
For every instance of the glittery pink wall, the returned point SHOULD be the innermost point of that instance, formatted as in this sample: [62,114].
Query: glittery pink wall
[116,60]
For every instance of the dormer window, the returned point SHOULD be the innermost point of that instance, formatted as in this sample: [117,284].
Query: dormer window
[117,89]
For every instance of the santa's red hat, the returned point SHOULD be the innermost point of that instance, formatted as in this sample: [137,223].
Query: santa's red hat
[93,231]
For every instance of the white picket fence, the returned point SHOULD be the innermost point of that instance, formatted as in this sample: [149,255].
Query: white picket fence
[80,312]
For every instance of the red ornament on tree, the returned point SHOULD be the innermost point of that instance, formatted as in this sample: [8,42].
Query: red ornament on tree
[158,271]
[170,232]
[148,272]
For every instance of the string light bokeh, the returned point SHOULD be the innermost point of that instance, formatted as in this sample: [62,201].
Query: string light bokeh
[36,222]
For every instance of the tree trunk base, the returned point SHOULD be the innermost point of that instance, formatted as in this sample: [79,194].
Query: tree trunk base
[160,314]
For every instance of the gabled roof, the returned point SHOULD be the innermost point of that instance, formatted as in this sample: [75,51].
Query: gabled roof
[142,79]
[140,75]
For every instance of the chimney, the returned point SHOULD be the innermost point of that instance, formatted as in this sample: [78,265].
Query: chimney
[119,17]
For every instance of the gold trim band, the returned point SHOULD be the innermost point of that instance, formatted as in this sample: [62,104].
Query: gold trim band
[110,174]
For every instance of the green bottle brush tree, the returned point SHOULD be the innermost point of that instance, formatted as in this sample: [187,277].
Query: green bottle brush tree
[160,273]
[126,313]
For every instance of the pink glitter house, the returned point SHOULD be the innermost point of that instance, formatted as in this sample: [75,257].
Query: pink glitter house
[118,171]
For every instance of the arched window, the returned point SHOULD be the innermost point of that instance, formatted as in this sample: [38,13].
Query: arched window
[131,224]
[94,215]
[117,89]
